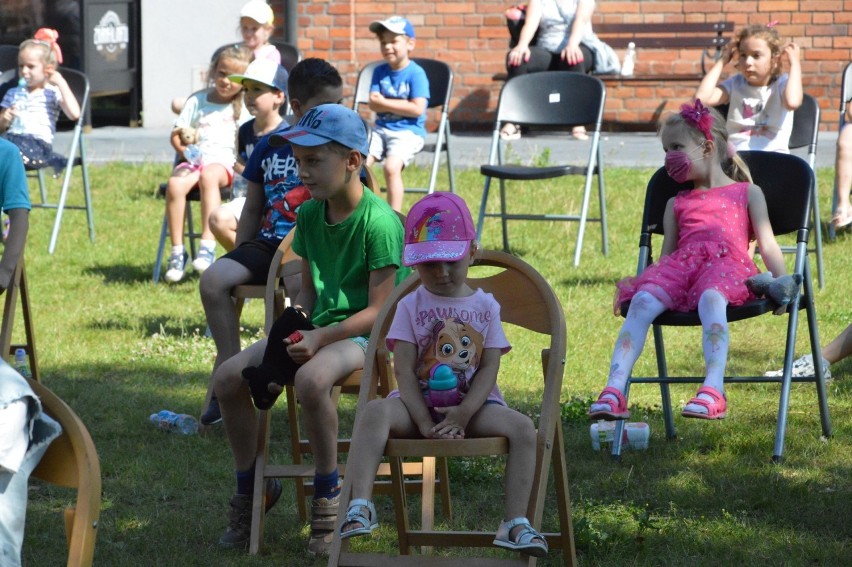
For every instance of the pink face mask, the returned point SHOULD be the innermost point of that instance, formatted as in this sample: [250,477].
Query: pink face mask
[678,164]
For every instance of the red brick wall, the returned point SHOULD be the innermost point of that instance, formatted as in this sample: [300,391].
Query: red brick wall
[472,37]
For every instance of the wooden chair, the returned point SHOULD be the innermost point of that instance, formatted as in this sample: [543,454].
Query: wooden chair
[72,461]
[527,301]
[19,287]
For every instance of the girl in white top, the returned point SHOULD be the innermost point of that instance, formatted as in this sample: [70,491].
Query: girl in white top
[215,114]
[32,124]
[256,27]
[761,99]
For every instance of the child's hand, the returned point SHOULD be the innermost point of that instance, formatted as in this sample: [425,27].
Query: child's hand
[729,52]
[519,55]
[304,349]
[376,97]
[6,117]
[572,54]
[56,79]
[793,52]
[452,427]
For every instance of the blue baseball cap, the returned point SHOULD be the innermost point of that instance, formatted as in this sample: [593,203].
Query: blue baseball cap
[395,24]
[266,72]
[323,124]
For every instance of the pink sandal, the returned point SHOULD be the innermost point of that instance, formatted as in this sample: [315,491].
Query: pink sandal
[617,410]
[717,409]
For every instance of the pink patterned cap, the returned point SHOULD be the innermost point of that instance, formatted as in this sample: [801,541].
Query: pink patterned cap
[438,228]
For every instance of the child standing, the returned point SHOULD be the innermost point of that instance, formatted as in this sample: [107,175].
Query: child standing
[256,27]
[710,222]
[214,113]
[273,196]
[399,95]
[761,98]
[31,125]
[335,310]
[440,244]
[265,93]
[843,173]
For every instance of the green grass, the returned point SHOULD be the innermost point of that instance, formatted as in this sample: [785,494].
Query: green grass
[118,348]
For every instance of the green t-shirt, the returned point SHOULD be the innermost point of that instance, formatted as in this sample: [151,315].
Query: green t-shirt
[341,256]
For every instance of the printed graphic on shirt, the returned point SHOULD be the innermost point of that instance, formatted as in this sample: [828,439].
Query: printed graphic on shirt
[454,343]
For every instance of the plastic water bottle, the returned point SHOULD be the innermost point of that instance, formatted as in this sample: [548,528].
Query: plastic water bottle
[192,154]
[443,387]
[21,364]
[239,186]
[629,60]
[635,435]
[171,421]
[19,102]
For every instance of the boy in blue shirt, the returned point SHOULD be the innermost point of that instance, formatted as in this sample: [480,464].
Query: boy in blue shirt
[322,338]
[399,95]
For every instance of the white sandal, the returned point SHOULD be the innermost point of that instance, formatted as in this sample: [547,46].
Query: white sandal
[525,542]
[355,514]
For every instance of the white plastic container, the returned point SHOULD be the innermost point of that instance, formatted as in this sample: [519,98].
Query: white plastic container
[635,435]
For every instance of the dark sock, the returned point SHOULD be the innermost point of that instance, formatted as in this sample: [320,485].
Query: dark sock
[326,486]
[245,481]
[277,366]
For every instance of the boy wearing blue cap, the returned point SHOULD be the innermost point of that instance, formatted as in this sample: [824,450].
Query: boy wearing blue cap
[399,95]
[322,338]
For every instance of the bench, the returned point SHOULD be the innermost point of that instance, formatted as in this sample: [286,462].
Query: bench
[708,36]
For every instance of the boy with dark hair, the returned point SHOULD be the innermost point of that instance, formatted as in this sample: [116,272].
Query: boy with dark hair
[322,338]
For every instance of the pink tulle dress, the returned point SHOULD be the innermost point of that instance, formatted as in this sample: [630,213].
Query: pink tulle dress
[712,251]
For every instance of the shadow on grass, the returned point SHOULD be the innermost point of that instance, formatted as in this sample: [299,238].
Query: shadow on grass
[126,274]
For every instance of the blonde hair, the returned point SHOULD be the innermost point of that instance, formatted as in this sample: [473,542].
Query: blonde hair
[237,52]
[48,56]
[732,164]
[767,33]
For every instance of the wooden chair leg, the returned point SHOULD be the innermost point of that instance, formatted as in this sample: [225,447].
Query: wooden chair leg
[18,288]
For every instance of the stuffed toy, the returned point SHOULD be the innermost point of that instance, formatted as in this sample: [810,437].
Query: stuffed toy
[780,290]
[188,136]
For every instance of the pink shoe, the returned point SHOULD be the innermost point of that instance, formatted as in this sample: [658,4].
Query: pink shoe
[717,409]
[617,409]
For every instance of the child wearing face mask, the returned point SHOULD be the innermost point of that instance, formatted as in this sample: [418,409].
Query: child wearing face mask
[704,261]
[761,98]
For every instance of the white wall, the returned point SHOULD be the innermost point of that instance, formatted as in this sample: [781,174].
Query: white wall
[178,38]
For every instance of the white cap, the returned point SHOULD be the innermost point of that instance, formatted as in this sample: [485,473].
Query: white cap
[259,11]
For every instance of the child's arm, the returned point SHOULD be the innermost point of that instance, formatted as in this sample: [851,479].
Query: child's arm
[6,117]
[792,95]
[521,52]
[670,230]
[252,212]
[411,108]
[19,222]
[404,363]
[70,106]
[572,53]
[758,213]
[708,90]
[457,417]
[175,141]
[382,281]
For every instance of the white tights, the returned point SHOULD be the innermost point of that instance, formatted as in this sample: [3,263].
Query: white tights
[644,308]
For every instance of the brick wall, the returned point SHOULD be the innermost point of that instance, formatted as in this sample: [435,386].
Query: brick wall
[472,37]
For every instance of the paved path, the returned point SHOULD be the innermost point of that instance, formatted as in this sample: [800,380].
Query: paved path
[634,149]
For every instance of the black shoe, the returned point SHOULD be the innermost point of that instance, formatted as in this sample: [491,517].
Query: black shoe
[239,516]
[212,414]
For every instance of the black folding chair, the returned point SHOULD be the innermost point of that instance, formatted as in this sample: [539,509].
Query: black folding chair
[787,182]
[552,101]
[440,77]
[845,97]
[79,85]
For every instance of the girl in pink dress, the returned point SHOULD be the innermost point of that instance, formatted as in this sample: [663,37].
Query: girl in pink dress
[704,261]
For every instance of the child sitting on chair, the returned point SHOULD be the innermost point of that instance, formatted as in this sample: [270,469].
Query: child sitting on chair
[440,244]
[28,112]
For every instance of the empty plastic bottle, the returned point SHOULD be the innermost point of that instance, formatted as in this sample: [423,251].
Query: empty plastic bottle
[629,60]
[239,186]
[21,364]
[19,103]
[171,421]
[192,153]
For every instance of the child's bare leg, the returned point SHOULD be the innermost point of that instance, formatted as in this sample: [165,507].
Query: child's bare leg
[644,308]
[383,419]
[497,420]
[179,184]
[223,225]
[213,178]
[843,169]
[393,167]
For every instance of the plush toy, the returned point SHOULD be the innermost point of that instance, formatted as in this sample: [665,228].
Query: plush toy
[780,290]
[189,138]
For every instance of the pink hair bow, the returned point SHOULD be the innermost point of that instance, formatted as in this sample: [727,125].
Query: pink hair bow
[699,116]
[49,36]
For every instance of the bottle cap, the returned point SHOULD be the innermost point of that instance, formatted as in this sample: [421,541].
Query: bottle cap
[442,378]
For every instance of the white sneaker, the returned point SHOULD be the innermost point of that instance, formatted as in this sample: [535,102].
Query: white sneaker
[803,367]
[177,262]
[204,260]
